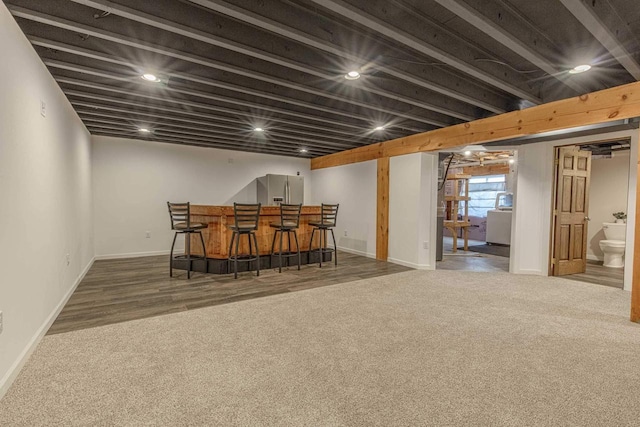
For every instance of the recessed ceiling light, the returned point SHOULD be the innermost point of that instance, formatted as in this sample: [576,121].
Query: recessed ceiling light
[352,75]
[304,150]
[580,69]
[150,77]
[379,128]
[472,148]
[258,129]
[144,130]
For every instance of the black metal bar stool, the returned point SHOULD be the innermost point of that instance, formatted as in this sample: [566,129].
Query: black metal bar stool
[180,214]
[329,214]
[289,223]
[246,217]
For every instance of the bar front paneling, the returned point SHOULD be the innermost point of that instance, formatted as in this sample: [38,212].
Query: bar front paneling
[217,235]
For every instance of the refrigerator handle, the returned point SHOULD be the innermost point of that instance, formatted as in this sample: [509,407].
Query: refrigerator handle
[287,192]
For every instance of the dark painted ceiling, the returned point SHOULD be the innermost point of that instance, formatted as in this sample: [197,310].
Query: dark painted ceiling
[227,67]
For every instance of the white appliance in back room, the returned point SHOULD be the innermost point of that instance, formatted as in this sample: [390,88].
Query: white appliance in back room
[499,220]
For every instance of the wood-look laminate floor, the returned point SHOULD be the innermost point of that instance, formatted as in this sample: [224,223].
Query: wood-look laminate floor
[595,273]
[469,260]
[473,261]
[116,291]
[600,275]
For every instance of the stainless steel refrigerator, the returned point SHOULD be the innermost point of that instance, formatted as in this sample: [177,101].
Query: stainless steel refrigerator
[276,189]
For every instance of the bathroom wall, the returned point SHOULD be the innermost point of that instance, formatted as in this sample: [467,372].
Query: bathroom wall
[531,227]
[609,189]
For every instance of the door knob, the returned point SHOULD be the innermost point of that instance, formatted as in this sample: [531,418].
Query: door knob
[587,218]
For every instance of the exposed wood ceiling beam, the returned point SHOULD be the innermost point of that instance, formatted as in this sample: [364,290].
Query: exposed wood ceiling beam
[604,106]
[146,107]
[348,11]
[281,65]
[315,42]
[273,137]
[253,105]
[201,36]
[154,117]
[228,142]
[186,130]
[192,142]
[593,22]
[236,136]
[112,37]
[477,17]
[169,90]
[37,41]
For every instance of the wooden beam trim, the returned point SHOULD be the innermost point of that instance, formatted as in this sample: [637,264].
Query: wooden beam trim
[382,214]
[616,103]
[497,169]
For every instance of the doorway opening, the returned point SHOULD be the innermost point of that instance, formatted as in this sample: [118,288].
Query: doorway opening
[474,209]
[591,190]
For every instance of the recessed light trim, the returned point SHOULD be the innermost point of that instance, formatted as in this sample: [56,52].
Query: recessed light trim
[258,129]
[580,69]
[352,75]
[379,128]
[473,148]
[150,77]
[144,130]
[304,150]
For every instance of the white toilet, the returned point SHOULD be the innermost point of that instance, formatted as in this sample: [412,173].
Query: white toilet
[614,243]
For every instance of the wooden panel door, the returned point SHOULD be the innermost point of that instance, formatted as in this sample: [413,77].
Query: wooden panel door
[571,211]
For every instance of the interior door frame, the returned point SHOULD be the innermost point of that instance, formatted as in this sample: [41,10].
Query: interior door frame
[556,149]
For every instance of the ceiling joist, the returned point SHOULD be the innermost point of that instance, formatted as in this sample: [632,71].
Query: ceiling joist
[344,9]
[493,29]
[593,22]
[112,37]
[228,67]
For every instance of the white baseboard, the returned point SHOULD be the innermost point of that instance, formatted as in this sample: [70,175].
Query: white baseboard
[357,252]
[15,369]
[411,264]
[135,254]
[532,272]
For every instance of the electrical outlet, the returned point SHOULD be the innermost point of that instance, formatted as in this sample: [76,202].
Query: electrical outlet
[147,234]
[345,233]
[68,259]
[43,108]
[425,245]
[1,323]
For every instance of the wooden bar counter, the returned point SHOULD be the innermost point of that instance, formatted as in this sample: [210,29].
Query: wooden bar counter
[217,235]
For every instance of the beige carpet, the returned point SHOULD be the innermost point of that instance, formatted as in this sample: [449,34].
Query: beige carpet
[416,348]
